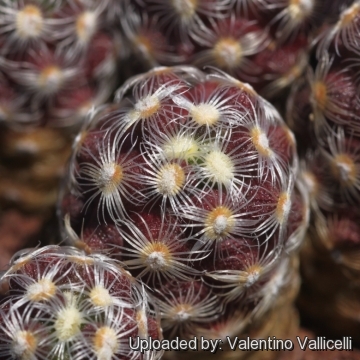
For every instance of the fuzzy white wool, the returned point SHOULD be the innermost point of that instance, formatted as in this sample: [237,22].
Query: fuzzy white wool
[219,166]
[100,296]
[310,182]
[183,147]
[230,52]
[106,175]
[167,183]
[284,208]
[68,323]
[156,260]
[51,79]
[106,343]
[252,278]
[185,8]
[182,315]
[205,114]
[220,224]
[263,141]
[86,26]
[307,5]
[345,171]
[145,105]
[21,345]
[41,290]
[299,9]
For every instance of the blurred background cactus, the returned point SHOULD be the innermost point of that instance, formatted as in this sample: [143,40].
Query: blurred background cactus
[262,42]
[324,112]
[58,59]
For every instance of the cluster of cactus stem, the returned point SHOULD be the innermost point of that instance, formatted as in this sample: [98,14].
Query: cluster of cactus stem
[324,112]
[189,180]
[57,59]
[261,42]
[63,304]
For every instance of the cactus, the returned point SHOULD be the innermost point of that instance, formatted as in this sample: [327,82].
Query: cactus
[324,113]
[61,304]
[189,179]
[262,42]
